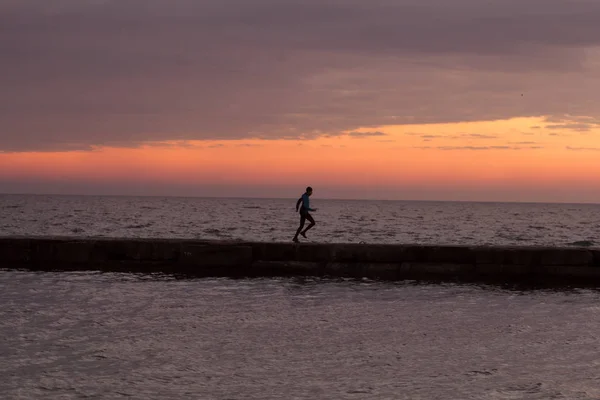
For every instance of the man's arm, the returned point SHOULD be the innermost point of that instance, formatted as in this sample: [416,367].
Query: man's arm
[298,203]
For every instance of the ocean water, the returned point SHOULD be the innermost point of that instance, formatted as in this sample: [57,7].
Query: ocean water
[116,336]
[150,336]
[350,221]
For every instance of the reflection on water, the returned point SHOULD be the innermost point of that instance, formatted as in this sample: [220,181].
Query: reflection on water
[79,335]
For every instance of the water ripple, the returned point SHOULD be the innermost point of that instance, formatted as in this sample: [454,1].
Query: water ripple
[79,335]
[337,220]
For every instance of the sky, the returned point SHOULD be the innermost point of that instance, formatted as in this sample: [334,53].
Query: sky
[483,100]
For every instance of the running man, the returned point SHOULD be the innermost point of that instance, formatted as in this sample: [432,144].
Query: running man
[304,215]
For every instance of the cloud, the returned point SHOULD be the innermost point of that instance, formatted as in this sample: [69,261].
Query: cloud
[175,144]
[366,134]
[583,148]
[472,136]
[579,127]
[578,123]
[84,73]
[478,136]
[478,148]
[460,136]
[573,118]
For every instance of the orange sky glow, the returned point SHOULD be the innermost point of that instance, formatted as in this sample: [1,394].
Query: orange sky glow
[511,155]
[402,99]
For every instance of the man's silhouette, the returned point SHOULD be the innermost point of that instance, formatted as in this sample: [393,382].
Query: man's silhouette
[304,213]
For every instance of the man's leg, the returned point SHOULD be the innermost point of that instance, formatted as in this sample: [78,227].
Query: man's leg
[302,220]
[312,223]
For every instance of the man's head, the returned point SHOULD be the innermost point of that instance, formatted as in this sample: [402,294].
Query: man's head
[309,190]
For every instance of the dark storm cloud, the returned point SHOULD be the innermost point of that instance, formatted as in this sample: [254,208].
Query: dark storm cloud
[79,73]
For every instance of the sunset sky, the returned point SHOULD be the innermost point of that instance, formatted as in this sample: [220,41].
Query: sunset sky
[495,100]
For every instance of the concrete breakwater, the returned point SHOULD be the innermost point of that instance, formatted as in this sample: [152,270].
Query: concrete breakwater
[253,259]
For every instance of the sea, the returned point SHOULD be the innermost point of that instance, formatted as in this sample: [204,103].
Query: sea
[346,221]
[93,335]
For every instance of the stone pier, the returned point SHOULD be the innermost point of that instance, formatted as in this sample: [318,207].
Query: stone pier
[261,259]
